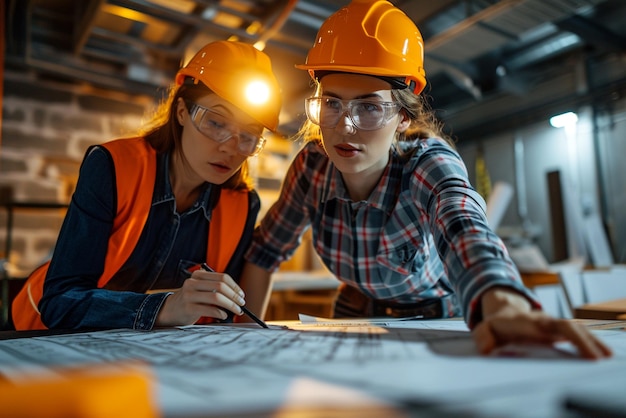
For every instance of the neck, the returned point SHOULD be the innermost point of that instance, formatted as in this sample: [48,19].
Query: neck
[185,184]
[360,185]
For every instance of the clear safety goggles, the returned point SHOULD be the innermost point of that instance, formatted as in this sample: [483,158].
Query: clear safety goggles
[220,129]
[365,114]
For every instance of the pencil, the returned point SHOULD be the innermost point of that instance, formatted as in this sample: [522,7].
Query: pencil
[245,310]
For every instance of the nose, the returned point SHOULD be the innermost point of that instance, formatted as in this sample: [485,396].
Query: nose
[345,124]
[231,145]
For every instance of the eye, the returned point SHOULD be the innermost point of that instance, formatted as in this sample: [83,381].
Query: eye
[368,107]
[247,138]
[214,123]
[333,104]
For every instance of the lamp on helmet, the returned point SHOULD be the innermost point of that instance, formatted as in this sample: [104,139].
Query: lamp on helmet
[240,74]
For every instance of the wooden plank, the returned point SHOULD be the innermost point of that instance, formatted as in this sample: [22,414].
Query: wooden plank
[611,309]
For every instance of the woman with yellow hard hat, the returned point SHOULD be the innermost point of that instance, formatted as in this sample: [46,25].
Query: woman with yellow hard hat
[392,212]
[148,211]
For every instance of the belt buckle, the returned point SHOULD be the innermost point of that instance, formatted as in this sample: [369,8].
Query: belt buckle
[398,312]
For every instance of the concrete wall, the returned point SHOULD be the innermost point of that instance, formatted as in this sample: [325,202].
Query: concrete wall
[590,158]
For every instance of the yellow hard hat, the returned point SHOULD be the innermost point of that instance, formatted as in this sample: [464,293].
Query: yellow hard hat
[240,74]
[370,37]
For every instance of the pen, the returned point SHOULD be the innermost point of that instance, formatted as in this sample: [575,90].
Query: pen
[245,310]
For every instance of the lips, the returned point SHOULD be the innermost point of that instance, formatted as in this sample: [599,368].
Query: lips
[220,167]
[345,150]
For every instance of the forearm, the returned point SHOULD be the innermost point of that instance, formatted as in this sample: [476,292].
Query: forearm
[100,308]
[257,285]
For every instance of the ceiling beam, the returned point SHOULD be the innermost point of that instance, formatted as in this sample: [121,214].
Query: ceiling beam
[84,18]
[600,37]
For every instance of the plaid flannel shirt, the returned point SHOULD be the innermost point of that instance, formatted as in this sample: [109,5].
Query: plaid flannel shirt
[421,234]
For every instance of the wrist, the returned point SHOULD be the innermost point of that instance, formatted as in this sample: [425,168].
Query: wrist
[503,299]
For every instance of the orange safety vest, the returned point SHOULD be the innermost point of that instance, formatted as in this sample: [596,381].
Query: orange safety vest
[135,173]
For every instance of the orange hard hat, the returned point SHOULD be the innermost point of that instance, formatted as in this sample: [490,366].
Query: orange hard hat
[240,74]
[370,37]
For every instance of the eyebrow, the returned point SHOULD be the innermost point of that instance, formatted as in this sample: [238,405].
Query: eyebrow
[222,110]
[230,115]
[363,96]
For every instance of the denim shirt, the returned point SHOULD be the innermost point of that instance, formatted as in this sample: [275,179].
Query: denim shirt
[170,243]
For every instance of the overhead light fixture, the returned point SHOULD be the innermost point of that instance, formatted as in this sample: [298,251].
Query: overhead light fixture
[564,120]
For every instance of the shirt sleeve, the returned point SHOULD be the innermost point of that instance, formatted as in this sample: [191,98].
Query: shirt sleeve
[280,231]
[475,258]
[71,298]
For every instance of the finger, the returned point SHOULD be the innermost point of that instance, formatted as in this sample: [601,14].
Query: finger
[228,303]
[211,304]
[186,306]
[525,327]
[214,293]
[587,344]
[483,338]
[227,297]
[495,332]
[211,285]
[220,277]
[211,311]
[538,328]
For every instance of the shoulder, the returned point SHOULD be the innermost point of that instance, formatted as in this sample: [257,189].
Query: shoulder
[419,147]
[97,158]
[128,150]
[254,201]
[429,151]
[431,163]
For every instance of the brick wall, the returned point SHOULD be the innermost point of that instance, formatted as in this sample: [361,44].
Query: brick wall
[46,128]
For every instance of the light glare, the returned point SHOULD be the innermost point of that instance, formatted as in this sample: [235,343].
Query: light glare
[257,92]
[564,120]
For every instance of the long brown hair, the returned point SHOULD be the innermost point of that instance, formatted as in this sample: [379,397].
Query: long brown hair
[163,132]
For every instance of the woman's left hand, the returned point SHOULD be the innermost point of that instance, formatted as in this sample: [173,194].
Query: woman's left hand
[508,318]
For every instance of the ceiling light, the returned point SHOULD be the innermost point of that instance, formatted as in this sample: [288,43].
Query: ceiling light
[564,120]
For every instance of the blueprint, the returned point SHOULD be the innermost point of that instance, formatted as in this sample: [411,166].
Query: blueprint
[243,369]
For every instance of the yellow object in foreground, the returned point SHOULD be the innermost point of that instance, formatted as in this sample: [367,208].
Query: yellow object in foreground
[92,391]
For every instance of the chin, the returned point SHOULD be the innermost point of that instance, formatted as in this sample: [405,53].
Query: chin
[348,165]
[218,179]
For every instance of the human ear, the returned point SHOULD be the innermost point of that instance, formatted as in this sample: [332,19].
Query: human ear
[181,111]
[403,122]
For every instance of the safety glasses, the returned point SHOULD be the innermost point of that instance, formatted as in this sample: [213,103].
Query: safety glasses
[365,114]
[220,129]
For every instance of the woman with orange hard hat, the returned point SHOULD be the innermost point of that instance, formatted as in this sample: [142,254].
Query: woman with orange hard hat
[149,210]
[387,197]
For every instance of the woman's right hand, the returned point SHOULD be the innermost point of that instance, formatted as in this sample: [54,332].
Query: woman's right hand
[203,294]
